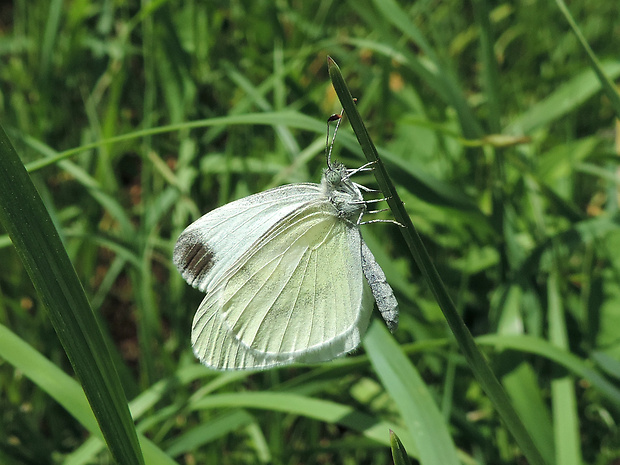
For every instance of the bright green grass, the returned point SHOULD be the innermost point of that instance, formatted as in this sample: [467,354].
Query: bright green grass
[134,120]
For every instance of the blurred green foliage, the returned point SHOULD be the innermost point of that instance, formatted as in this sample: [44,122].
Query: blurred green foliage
[493,127]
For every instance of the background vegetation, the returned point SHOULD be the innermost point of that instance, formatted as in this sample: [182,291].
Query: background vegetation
[135,118]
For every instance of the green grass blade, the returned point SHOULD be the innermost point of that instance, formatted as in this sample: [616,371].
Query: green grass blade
[209,431]
[64,390]
[566,98]
[410,173]
[537,346]
[522,386]
[399,454]
[417,407]
[608,86]
[147,400]
[490,70]
[391,11]
[475,359]
[606,363]
[38,244]
[53,380]
[565,416]
[48,41]
[322,410]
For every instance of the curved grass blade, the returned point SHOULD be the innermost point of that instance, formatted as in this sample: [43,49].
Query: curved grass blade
[146,401]
[540,347]
[475,359]
[399,454]
[436,72]
[563,100]
[425,186]
[322,410]
[38,245]
[608,86]
[208,431]
[419,412]
[64,390]
[522,385]
[526,344]
[564,401]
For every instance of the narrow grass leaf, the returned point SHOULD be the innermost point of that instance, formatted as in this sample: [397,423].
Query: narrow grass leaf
[48,43]
[147,399]
[522,385]
[38,244]
[607,84]
[42,372]
[490,71]
[64,390]
[579,367]
[417,407]
[408,173]
[610,365]
[209,431]
[86,453]
[399,454]
[565,99]
[453,95]
[475,359]
[565,416]
[322,410]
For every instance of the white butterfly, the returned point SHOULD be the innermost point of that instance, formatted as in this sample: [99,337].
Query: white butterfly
[287,275]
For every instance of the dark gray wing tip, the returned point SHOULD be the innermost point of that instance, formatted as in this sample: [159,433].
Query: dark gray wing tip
[193,259]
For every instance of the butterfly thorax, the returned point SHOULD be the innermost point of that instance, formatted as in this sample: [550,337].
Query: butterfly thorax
[342,193]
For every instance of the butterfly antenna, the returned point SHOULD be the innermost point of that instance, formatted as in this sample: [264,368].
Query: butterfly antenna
[330,146]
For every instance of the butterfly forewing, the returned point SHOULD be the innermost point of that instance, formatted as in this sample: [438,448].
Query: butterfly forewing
[210,245]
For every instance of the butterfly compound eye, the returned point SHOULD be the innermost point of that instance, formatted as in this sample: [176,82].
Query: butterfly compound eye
[333,177]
